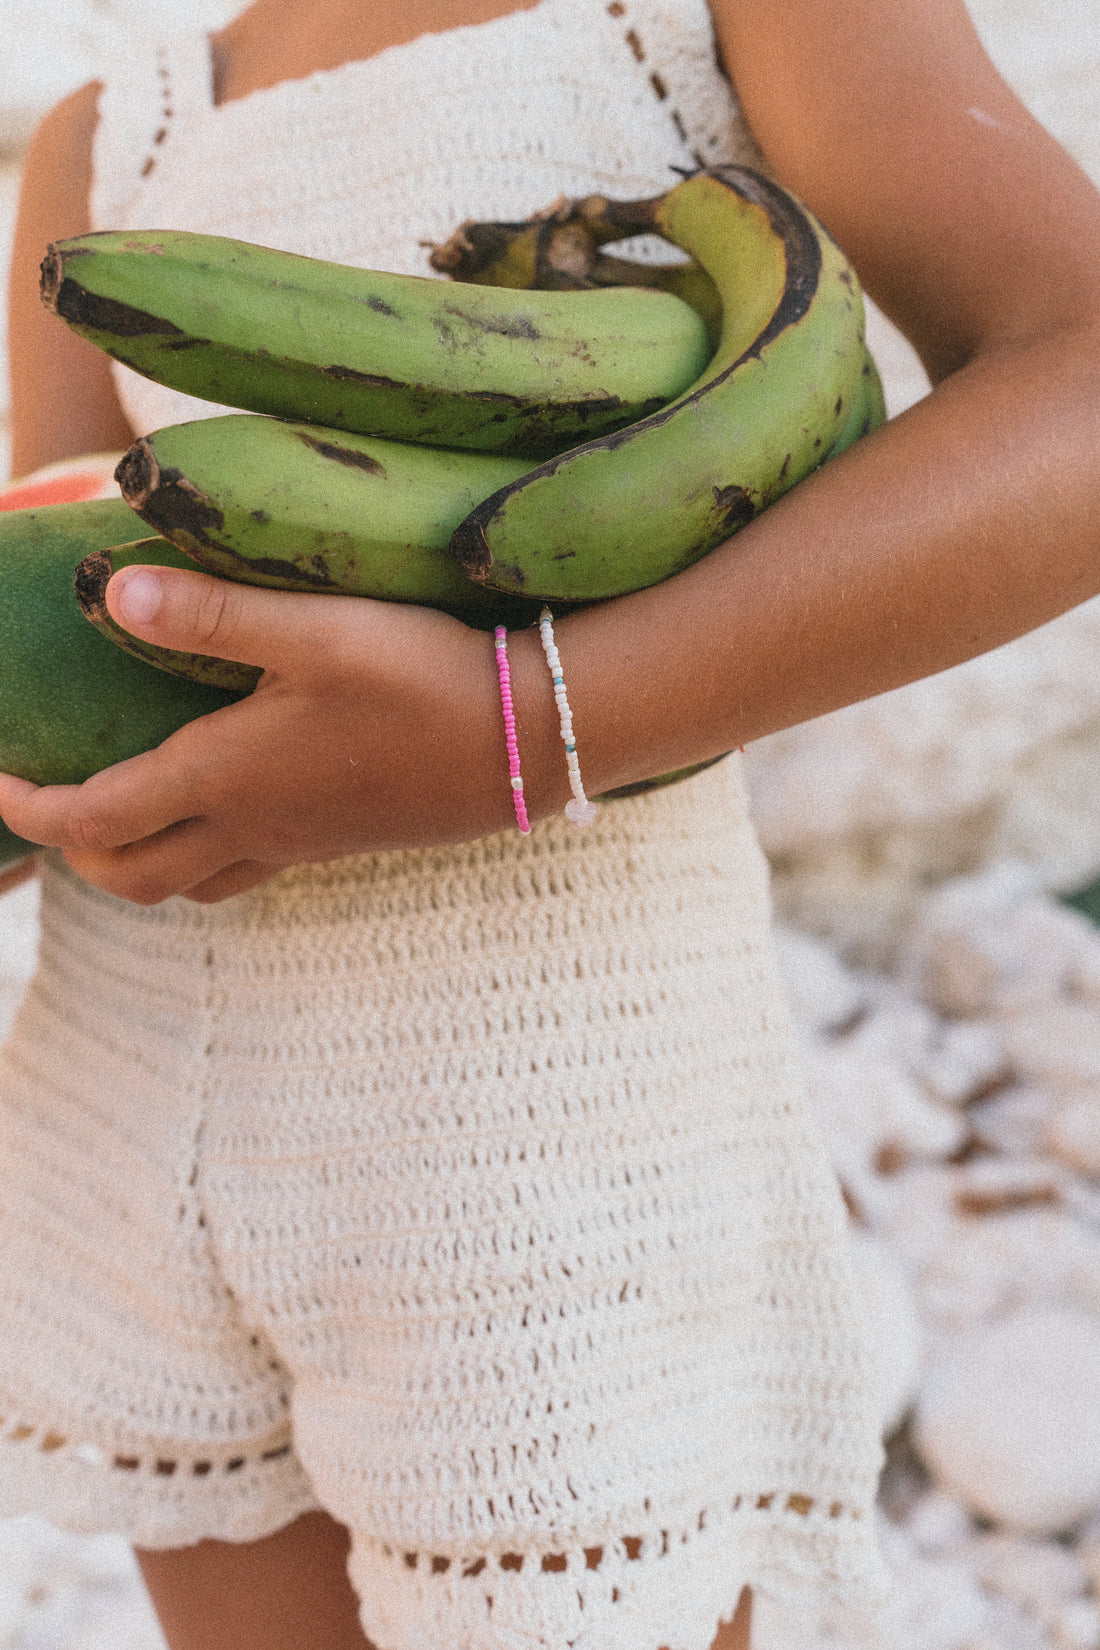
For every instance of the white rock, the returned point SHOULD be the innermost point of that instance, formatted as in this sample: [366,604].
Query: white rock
[1049,815]
[1055,1044]
[914,1212]
[951,1060]
[936,1604]
[1012,1122]
[1037,1576]
[874,1116]
[1084,979]
[1008,1419]
[961,1060]
[896,1027]
[939,1524]
[1000,1265]
[960,955]
[986,1186]
[891,1308]
[1087,1551]
[1081,1198]
[823,993]
[996,943]
[859,897]
[1076,1625]
[1073,1131]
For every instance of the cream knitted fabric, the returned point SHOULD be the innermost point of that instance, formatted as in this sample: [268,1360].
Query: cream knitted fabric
[469,1194]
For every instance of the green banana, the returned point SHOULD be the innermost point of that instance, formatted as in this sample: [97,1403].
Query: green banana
[297,507]
[401,356]
[70,702]
[633,507]
[90,584]
[560,250]
[866,412]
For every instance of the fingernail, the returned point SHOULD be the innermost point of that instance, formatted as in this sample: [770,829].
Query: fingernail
[140,598]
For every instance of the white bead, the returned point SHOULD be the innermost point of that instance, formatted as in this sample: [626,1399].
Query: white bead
[580,813]
[517,783]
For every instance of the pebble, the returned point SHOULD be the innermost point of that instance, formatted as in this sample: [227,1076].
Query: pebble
[1056,1044]
[1035,1575]
[824,995]
[1076,1625]
[896,1333]
[1073,1132]
[1011,1122]
[981,1269]
[879,1119]
[1008,1419]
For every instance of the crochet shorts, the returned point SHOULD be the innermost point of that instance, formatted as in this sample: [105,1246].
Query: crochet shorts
[468,1194]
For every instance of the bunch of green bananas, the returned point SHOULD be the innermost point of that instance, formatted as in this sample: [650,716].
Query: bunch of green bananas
[561,425]
[662,425]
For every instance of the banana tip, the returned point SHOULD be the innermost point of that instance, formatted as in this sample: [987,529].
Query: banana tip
[52,274]
[470,549]
[90,584]
[138,474]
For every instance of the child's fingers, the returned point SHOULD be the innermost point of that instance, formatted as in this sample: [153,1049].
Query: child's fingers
[181,858]
[129,801]
[235,879]
[196,613]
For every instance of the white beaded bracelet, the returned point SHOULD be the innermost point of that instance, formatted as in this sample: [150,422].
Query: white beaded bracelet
[578,810]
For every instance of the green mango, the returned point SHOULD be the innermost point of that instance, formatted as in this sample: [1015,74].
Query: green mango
[71,702]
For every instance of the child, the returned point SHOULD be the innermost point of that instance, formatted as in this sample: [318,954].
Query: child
[445,1201]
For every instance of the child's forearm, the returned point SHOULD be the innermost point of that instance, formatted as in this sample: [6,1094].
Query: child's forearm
[966,522]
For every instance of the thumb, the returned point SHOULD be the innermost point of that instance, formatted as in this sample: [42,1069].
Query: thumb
[197,613]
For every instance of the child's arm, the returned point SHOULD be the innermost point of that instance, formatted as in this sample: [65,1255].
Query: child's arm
[967,521]
[63,401]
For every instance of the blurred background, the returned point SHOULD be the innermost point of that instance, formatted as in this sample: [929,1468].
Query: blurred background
[936,862]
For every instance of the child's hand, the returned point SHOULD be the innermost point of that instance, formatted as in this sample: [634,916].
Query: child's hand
[374,726]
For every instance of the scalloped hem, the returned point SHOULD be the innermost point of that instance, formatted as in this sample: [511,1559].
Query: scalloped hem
[153,1503]
[676,1599]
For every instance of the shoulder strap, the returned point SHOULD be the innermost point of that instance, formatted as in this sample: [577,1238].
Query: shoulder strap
[673,45]
[160,88]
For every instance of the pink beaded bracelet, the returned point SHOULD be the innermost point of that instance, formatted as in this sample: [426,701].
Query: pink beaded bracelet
[500,636]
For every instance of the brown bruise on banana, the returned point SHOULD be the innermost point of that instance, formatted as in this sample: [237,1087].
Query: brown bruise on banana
[501,325]
[340,455]
[539,428]
[90,584]
[606,220]
[64,296]
[177,508]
